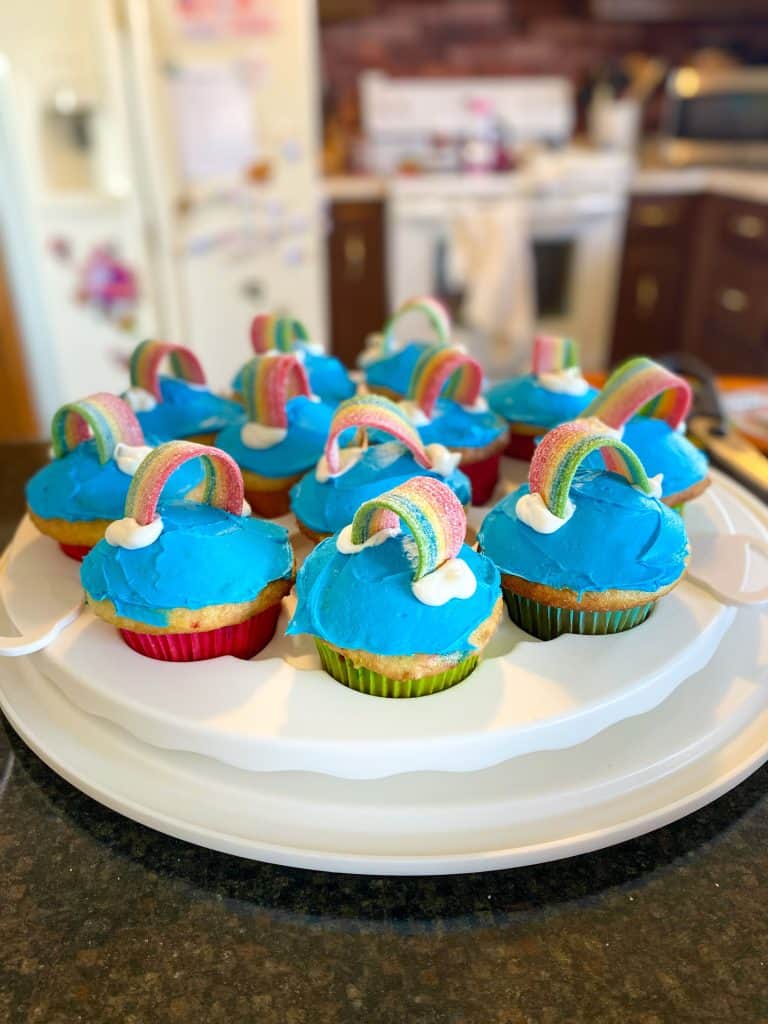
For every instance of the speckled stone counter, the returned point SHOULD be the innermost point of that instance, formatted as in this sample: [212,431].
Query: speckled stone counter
[104,920]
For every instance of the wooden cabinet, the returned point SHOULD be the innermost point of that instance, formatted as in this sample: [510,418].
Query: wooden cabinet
[695,278]
[357,269]
[654,274]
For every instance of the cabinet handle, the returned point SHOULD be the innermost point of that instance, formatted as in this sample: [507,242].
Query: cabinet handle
[646,294]
[734,300]
[748,225]
[354,256]
[654,215]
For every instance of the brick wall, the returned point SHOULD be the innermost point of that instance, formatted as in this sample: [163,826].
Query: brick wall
[505,37]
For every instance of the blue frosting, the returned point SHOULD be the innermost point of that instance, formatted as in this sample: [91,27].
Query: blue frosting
[524,400]
[395,371]
[617,538]
[663,450]
[327,507]
[188,409]
[365,602]
[203,557]
[457,427]
[78,488]
[328,378]
[308,426]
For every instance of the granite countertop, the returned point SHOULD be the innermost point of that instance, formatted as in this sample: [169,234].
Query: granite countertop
[102,919]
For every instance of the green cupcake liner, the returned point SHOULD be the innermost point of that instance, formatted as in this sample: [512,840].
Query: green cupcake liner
[547,622]
[364,680]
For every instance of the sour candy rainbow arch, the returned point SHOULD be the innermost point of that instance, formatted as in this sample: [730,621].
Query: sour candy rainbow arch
[146,360]
[106,418]
[642,384]
[553,354]
[434,311]
[430,510]
[267,384]
[561,452]
[223,484]
[445,371]
[276,332]
[373,412]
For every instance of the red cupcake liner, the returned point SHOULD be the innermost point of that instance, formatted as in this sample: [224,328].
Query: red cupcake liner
[483,475]
[76,551]
[520,446]
[239,641]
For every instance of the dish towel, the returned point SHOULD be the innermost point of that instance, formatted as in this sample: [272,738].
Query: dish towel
[490,256]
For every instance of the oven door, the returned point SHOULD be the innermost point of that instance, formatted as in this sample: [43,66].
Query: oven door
[575,252]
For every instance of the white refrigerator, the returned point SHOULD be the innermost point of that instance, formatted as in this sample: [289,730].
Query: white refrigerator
[158,177]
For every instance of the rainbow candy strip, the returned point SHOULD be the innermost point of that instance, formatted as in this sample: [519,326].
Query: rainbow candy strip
[434,311]
[429,509]
[553,354]
[223,481]
[372,412]
[447,371]
[267,384]
[146,360]
[106,418]
[561,452]
[276,332]
[641,383]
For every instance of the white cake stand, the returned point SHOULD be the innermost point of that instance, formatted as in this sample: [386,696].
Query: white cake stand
[635,775]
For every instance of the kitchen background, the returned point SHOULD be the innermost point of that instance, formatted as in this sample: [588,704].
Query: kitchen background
[597,168]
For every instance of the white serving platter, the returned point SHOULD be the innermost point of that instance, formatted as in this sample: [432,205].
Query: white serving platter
[637,776]
[281,712]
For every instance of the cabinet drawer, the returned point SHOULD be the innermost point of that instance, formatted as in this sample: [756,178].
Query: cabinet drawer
[742,226]
[655,217]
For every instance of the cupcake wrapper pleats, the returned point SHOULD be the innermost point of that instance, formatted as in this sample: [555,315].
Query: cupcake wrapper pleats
[364,680]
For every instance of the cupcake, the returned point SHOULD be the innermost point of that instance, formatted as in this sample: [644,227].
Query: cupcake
[648,405]
[187,581]
[97,447]
[584,550]
[285,433]
[180,406]
[326,499]
[388,364]
[553,394]
[445,405]
[397,604]
[328,377]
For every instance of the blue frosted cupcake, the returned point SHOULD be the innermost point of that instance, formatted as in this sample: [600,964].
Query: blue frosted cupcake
[583,550]
[397,604]
[387,363]
[186,581]
[328,377]
[97,447]
[648,404]
[554,393]
[285,433]
[326,498]
[446,407]
[179,407]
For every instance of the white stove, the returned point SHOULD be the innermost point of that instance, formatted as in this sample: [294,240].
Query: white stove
[512,254]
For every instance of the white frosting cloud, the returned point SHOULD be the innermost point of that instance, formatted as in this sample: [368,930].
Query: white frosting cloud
[656,485]
[453,579]
[348,457]
[443,461]
[531,510]
[564,382]
[127,533]
[413,412]
[140,400]
[257,435]
[129,457]
[346,546]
